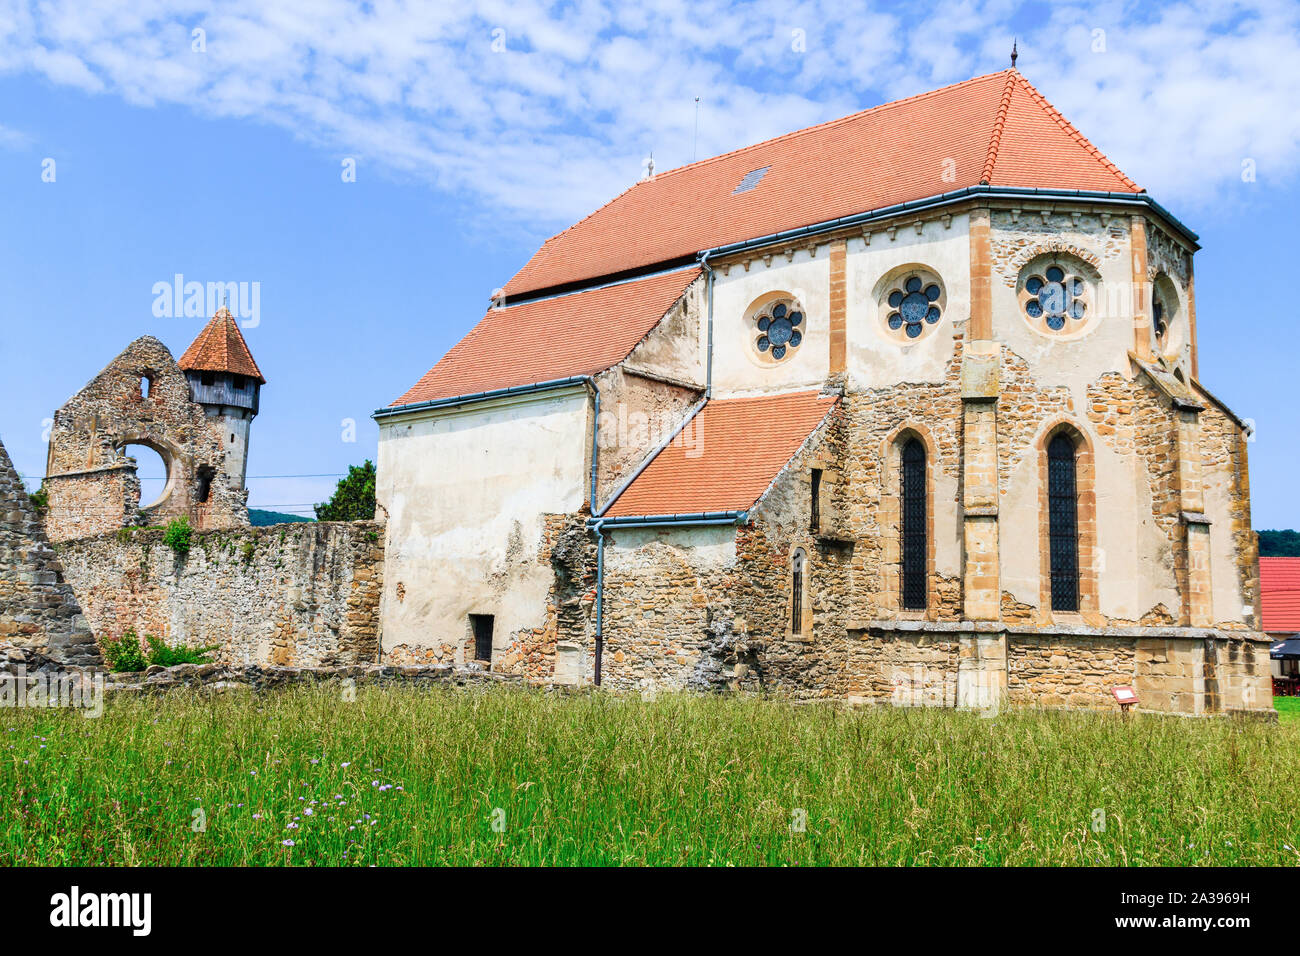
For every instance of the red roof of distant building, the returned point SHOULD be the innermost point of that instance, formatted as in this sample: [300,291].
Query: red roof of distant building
[1279,587]
[220,347]
[726,457]
[995,129]
[548,339]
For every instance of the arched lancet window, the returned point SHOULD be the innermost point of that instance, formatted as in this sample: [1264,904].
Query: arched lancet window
[1063,522]
[914,544]
[796,592]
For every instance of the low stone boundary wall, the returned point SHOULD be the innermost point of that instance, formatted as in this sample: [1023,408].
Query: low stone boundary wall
[221,676]
[303,594]
[33,669]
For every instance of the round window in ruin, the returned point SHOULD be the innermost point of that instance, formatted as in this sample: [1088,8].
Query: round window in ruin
[152,470]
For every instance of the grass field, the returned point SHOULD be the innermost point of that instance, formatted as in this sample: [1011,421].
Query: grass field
[406,776]
[1288,709]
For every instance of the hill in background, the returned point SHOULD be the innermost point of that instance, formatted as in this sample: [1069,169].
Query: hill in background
[260,519]
[1279,544]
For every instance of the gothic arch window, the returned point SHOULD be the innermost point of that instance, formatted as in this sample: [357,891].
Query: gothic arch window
[914,551]
[777,328]
[1063,522]
[1164,312]
[796,591]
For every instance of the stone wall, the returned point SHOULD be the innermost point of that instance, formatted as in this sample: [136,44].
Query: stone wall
[711,608]
[302,594]
[1178,670]
[141,398]
[39,615]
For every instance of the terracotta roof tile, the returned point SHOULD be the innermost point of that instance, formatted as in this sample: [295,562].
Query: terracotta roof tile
[995,128]
[578,334]
[727,457]
[1279,587]
[220,347]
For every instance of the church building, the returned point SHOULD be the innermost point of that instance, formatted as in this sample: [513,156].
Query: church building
[900,408]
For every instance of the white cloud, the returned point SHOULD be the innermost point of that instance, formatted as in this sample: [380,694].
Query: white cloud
[13,138]
[559,121]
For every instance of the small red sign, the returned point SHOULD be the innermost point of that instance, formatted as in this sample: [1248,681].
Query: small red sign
[1126,696]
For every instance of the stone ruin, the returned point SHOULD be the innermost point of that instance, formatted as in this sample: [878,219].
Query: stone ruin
[195,414]
[40,618]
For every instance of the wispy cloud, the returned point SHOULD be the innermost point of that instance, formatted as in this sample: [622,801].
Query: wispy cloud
[13,138]
[538,114]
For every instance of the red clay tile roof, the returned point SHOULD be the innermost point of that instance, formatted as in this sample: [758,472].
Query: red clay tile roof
[1279,587]
[996,129]
[726,457]
[579,334]
[220,347]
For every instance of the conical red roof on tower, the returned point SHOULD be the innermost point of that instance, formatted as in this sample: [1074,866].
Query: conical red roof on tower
[220,347]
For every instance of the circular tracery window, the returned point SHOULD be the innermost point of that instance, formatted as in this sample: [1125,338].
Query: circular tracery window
[1055,298]
[778,328]
[914,305]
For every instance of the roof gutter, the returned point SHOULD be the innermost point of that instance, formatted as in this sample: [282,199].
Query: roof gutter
[948,199]
[472,397]
[692,519]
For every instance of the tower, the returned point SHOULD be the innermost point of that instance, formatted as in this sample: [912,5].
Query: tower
[225,380]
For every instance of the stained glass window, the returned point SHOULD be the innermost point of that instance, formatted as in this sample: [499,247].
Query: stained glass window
[914,305]
[779,329]
[796,593]
[914,526]
[1063,521]
[1055,295]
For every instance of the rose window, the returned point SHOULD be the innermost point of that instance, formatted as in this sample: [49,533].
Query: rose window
[1053,296]
[778,329]
[914,306]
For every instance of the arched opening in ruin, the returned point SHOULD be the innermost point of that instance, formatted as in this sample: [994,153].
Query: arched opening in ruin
[153,469]
[204,490]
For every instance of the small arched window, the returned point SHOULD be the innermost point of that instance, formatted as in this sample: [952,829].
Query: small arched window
[796,592]
[915,519]
[1063,522]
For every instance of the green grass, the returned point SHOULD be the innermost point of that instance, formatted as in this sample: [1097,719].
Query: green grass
[414,776]
[1288,709]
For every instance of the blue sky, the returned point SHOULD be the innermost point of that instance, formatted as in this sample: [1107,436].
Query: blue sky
[478,130]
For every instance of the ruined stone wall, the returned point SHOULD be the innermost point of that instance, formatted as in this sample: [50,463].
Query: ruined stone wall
[303,594]
[39,614]
[92,485]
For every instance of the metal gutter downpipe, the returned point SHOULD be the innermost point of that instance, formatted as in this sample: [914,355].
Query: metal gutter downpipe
[600,538]
[598,525]
[595,439]
[599,528]
[708,359]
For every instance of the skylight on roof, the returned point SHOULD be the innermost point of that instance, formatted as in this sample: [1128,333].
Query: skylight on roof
[751,180]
